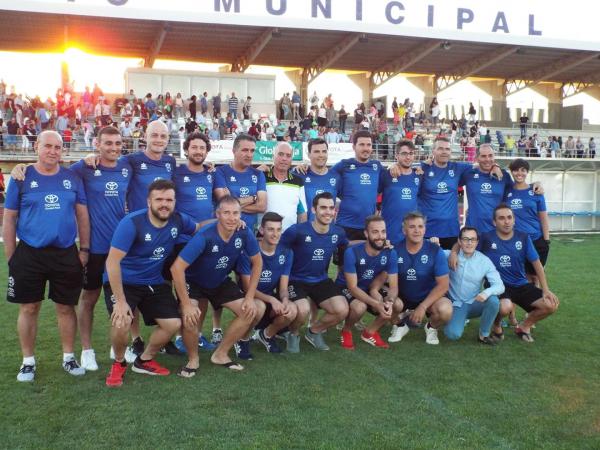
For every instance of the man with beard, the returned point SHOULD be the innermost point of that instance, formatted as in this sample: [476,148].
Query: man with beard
[366,264]
[133,278]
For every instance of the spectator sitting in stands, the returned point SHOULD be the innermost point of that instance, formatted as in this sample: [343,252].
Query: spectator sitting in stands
[487,138]
[214,134]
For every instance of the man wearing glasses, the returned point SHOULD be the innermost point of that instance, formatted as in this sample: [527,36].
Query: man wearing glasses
[468,298]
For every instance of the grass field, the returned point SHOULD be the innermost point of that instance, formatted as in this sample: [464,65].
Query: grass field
[456,395]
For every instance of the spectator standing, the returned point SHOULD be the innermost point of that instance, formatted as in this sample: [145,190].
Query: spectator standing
[523,122]
[204,103]
[233,105]
[296,106]
[570,147]
[216,102]
[579,147]
[472,112]
[342,117]
[246,108]
[509,145]
[592,148]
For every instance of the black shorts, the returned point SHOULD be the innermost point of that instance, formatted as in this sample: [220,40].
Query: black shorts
[524,296]
[170,259]
[30,268]
[349,298]
[154,302]
[317,292]
[353,234]
[93,271]
[543,249]
[447,242]
[226,292]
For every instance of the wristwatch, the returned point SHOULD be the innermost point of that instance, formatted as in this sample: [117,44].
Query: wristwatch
[254,198]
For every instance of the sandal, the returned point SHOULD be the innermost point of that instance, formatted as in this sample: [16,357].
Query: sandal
[527,337]
[498,336]
[231,365]
[187,372]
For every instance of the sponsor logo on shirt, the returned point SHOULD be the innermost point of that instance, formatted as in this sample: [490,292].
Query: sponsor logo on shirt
[411,275]
[365,178]
[244,191]
[505,261]
[265,276]
[111,189]
[158,253]
[486,188]
[201,193]
[67,184]
[516,203]
[442,187]
[368,274]
[52,202]
[318,254]
[406,194]
[222,262]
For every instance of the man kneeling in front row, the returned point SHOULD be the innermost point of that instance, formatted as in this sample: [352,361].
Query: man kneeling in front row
[366,267]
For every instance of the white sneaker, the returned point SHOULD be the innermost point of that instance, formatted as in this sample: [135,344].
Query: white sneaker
[26,373]
[112,353]
[431,335]
[72,367]
[398,332]
[88,360]
[130,356]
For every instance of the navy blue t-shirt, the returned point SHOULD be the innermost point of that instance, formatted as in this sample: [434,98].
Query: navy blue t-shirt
[46,206]
[438,198]
[106,191]
[484,193]
[312,250]
[526,206]
[211,259]
[358,191]
[399,198]
[145,171]
[194,195]
[147,246]
[509,256]
[417,273]
[274,267]
[366,267]
[315,184]
[240,185]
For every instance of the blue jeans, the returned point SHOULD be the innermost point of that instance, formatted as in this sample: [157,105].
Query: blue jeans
[488,311]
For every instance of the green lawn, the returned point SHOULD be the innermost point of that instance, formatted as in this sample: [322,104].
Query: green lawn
[456,395]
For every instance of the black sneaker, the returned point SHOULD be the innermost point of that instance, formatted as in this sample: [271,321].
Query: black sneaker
[486,340]
[137,346]
[171,349]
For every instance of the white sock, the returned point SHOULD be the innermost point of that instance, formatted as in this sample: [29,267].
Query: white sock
[29,361]
[87,351]
[68,356]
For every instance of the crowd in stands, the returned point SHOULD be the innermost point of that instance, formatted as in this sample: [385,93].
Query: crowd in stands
[79,116]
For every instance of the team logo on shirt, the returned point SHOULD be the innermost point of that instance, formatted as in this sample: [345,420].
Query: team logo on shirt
[168,167]
[97,173]
[158,253]
[383,260]
[67,184]
[244,191]
[281,259]
[125,173]
[209,178]
[334,238]
[174,232]
[222,262]
[148,237]
[374,166]
[451,172]
[424,259]
[143,166]
[486,188]
[238,243]
[518,245]
[516,203]
[318,254]
[416,181]
[411,274]
[215,249]
[254,179]
[308,239]
[186,179]
[530,193]
[406,194]
[362,261]
[365,178]
[505,261]
[332,181]
[33,184]
[368,274]
[442,187]
[51,202]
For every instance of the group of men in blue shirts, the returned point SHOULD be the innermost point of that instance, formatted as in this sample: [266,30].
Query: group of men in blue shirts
[191,226]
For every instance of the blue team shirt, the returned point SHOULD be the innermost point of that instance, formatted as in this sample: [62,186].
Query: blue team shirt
[417,273]
[366,267]
[46,207]
[358,191]
[240,185]
[399,198]
[147,246]
[315,184]
[274,267]
[312,250]
[211,259]
[526,206]
[509,256]
[484,193]
[145,171]
[194,195]
[106,191]
[438,198]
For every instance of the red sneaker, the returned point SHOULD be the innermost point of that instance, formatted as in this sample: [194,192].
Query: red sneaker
[347,341]
[373,339]
[149,367]
[115,376]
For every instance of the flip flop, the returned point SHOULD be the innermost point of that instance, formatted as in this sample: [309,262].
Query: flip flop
[231,365]
[498,336]
[187,372]
[527,337]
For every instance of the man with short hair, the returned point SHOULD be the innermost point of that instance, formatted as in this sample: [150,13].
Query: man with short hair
[272,286]
[364,265]
[233,105]
[422,279]
[285,189]
[468,298]
[46,212]
[243,181]
[509,250]
[215,250]
[133,278]
[313,244]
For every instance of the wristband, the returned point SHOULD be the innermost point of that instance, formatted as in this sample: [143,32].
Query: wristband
[84,249]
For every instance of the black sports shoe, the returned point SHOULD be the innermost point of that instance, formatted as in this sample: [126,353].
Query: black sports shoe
[137,346]
[486,340]
[171,349]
